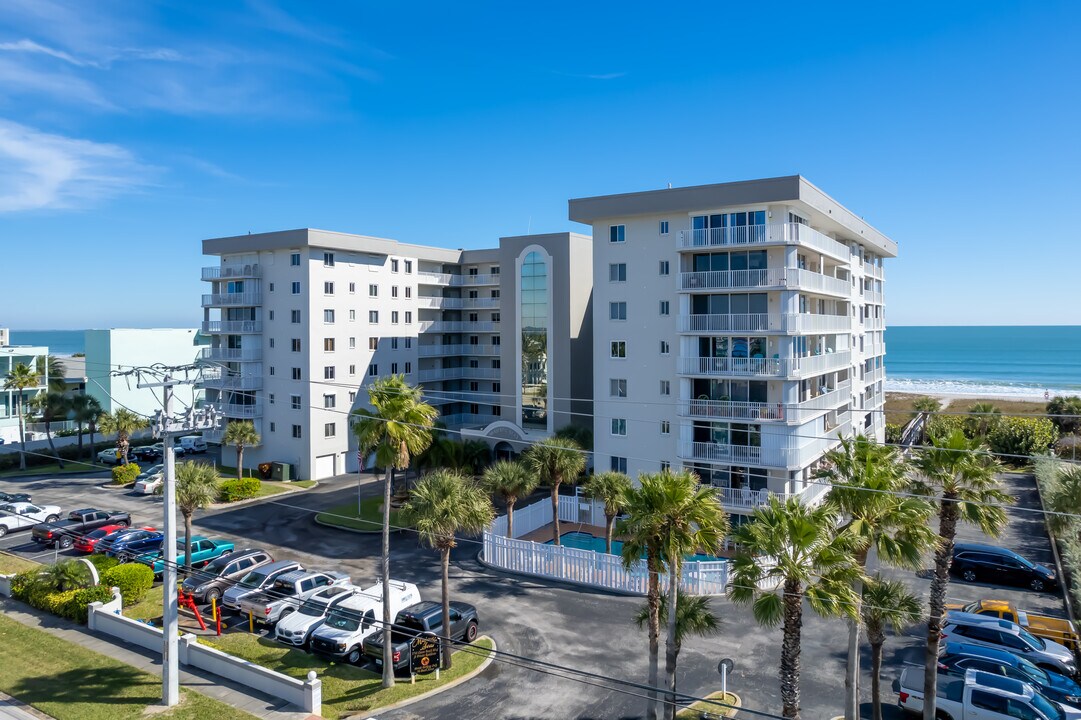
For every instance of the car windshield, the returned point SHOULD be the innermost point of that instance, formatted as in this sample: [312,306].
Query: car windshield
[1025,561]
[1048,709]
[972,607]
[314,608]
[96,534]
[343,619]
[1034,672]
[216,566]
[253,580]
[407,628]
[1031,639]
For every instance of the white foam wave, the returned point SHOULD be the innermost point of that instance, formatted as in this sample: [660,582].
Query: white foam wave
[970,388]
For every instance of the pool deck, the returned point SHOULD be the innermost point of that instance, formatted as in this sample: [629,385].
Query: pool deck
[543,534]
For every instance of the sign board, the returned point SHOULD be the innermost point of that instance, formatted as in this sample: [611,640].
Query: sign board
[424,654]
[726,666]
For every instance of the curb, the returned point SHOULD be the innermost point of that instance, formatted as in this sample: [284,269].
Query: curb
[253,501]
[317,521]
[729,711]
[424,696]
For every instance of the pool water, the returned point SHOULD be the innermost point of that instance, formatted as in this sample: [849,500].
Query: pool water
[587,541]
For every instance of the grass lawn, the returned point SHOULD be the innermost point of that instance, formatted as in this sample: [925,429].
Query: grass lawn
[692,711]
[346,688]
[11,564]
[370,518]
[70,466]
[71,682]
[898,407]
[1023,407]
[149,608]
[269,487]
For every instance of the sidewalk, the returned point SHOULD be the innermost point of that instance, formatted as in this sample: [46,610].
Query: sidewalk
[246,699]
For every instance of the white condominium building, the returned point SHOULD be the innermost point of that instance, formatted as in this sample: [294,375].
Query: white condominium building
[12,400]
[738,333]
[303,320]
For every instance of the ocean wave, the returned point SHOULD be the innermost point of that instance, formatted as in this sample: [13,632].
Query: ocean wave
[976,388]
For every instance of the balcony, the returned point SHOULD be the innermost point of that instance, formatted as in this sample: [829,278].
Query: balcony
[872,296]
[220,354]
[765,367]
[793,323]
[231,271]
[456,326]
[461,419]
[758,235]
[747,499]
[425,277]
[873,323]
[250,299]
[226,381]
[770,278]
[473,280]
[458,303]
[761,411]
[235,410]
[232,327]
[873,376]
[453,350]
[458,373]
[792,456]
[216,435]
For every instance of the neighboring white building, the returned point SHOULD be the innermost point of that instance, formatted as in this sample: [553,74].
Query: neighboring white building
[10,356]
[126,348]
[303,320]
[738,330]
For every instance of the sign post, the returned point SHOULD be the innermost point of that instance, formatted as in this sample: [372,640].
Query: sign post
[724,667]
[425,654]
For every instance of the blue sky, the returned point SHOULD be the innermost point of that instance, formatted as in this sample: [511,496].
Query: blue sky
[129,131]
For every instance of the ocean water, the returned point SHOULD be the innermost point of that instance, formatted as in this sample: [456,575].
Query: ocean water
[59,342]
[1010,361]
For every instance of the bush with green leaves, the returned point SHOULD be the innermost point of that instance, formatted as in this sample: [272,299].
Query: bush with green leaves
[233,490]
[940,426]
[1065,412]
[35,588]
[894,433]
[102,562]
[134,580]
[1021,436]
[126,474]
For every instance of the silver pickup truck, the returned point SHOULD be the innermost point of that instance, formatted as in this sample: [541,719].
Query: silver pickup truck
[979,696]
[287,593]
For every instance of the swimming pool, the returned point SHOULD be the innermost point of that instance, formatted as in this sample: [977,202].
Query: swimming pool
[588,541]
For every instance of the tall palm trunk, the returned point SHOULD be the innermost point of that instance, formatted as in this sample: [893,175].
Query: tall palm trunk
[876,673]
[445,557]
[239,462]
[510,516]
[947,529]
[555,514]
[49,434]
[80,424]
[22,430]
[609,521]
[388,661]
[123,444]
[671,650]
[93,455]
[852,667]
[790,649]
[187,544]
[653,597]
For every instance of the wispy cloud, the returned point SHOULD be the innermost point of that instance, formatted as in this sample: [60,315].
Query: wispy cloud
[29,46]
[39,170]
[591,76]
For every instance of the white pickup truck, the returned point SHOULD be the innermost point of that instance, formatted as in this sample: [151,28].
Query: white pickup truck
[287,593]
[342,634]
[980,696]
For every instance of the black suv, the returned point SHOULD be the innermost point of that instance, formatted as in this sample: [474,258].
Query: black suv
[209,582]
[997,565]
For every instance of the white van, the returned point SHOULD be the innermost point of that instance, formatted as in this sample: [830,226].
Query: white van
[193,444]
[341,636]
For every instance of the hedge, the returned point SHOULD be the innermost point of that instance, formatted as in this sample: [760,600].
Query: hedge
[126,474]
[1021,436]
[133,579]
[70,604]
[233,490]
[102,562]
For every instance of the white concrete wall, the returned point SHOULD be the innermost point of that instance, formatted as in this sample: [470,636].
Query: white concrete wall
[122,349]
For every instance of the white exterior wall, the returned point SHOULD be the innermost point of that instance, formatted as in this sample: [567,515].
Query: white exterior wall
[10,356]
[122,349]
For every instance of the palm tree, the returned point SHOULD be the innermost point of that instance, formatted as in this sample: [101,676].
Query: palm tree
[555,461]
[610,488]
[21,378]
[84,409]
[793,553]
[52,406]
[886,603]
[510,480]
[123,422]
[1063,498]
[242,434]
[197,487]
[960,475]
[693,617]
[398,428]
[442,504]
[53,367]
[983,418]
[66,575]
[927,405]
[868,484]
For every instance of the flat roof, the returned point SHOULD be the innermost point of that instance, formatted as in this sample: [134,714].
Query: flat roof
[328,239]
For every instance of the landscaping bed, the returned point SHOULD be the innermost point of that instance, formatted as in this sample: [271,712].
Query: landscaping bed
[370,518]
[695,710]
[346,688]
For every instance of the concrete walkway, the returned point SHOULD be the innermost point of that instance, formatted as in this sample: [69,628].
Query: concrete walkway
[257,703]
[12,709]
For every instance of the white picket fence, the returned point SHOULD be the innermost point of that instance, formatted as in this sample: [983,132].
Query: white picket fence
[571,510]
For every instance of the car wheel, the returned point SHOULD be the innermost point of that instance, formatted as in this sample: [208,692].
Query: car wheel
[3,531]
[1036,584]
[471,632]
[353,657]
[969,575]
[122,523]
[65,543]
[52,518]
[284,614]
[211,595]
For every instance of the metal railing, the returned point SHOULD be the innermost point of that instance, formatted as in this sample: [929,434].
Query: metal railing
[467,280]
[447,326]
[452,350]
[241,411]
[768,234]
[239,298]
[778,278]
[458,373]
[765,367]
[425,277]
[225,381]
[221,354]
[229,271]
[232,327]
[798,323]
[745,498]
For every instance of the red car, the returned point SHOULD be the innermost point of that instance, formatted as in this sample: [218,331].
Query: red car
[88,543]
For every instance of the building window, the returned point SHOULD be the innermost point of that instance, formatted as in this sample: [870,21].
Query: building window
[495,317]
[328,372]
[352,396]
[328,288]
[408,291]
[473,317]
[328,316]
[352,315]
[373,343]
[271,369]
[394,368]
[394,266]
[619,464]
[352,343]
[393,317]
[664,267]
[408,317]
[271,314]
[617,311]
[408,266]
[271,287]
[328,259]
[352,288]
[666,349]
[270,398]
[296,288]
[666,466]
[664,227]
[666,387]
[297,432]
[373,316]
[617,233]
[373,291]
[617,272]
[295,344]
[666,427]
[408,368]
[394,343]
[329,400]
[294,317]
[296,373]
[394,291]
[373,370]
[495,294]
[496,387]
[619,426]
[294,402]
[617,387]
[328,430]
[294,259]
[271,342]
[474,386]
[352,370]
[271,427]
[534,325]
[495,340]
[666,307]
[328,344]
[493,270]
[619,348]
[408,343]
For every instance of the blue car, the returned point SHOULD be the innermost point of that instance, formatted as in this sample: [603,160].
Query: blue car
[134,543]
[957,658]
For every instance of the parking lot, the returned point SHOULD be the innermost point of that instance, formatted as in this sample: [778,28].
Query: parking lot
[577,628]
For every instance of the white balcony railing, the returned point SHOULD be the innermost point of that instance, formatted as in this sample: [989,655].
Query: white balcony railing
[873,323]
[779,457]
[230,271]
[457,303]
[241,411]
[452,350]
[765,367]
[426,277]
[467,280]
[221,354]
[232,327]
[800,279]
[778,278]
[797,323]
[769,234]
[459,419]
[239,298]
[459,373]
[761,411]
[226,381]
[449,326]
[747,499]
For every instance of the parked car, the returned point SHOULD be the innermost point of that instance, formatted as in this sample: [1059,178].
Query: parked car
[211,581]
[287,593]
[980,696]
[79,522]
[203,550]
[87,543]
[989,563]
[342,634]
[24,516]
[424,617]
[193,444]
[14,497]
[155,452]
[130,543]
[148,481]
[257,579]
[109,456]
[1005,635]
[1058,629]
[296,628]
[958,658]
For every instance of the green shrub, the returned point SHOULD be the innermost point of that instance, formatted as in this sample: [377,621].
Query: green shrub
[32,588]
[233,490]
[1066,412]
[102,562]
[126,474]
[75,608]
[893,433]
[941,426]
[1021,436]
[133,580]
